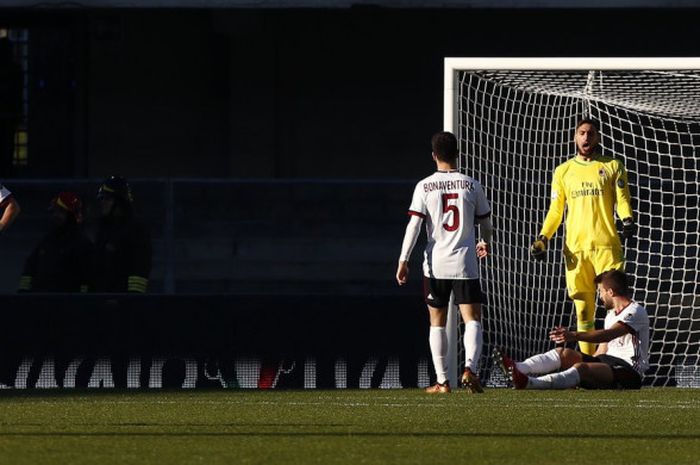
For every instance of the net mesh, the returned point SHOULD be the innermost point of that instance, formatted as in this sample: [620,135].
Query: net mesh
[515,127]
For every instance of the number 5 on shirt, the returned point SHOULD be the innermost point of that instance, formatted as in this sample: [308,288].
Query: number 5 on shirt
[446,208]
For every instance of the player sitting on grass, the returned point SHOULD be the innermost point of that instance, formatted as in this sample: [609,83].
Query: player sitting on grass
[620,361]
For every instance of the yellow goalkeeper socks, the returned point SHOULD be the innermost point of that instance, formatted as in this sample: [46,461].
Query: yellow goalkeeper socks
[585,316]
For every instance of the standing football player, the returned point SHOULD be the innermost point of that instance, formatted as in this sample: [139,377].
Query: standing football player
[590,186]
[450,203]
[9,207]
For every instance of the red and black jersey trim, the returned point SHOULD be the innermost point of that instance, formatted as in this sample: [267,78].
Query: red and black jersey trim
[481,217]
[617,312]
[415,213]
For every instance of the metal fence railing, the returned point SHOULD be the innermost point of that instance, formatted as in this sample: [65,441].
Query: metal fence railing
[241,236]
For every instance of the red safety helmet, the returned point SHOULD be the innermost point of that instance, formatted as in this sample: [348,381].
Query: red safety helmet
[70,202]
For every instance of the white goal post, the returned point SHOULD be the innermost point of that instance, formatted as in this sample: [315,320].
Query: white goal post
[514,119]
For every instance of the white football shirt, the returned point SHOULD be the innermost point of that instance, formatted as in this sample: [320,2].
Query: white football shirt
[449,202]
[632,347]
[4,194]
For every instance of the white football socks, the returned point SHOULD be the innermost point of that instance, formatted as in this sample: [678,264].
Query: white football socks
[473,341]
[562,380]
[438,348]
[540,363]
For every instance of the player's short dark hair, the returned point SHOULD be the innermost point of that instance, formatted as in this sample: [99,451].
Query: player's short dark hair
[444,146]
[590,121]
[616,280]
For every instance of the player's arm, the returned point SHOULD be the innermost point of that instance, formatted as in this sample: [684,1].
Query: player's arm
[486,230]
[561,334]
[409,241]
[11,210]
[417,212]
[483,219]
[623,201]
[553,218]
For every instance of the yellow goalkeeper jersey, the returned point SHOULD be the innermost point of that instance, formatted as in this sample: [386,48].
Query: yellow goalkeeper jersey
[590,190]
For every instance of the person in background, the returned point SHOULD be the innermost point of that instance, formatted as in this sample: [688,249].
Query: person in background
[62,261]
[122,244]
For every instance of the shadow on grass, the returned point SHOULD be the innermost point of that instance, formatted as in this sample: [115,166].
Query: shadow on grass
[110,392]
[184,425]
[626,437]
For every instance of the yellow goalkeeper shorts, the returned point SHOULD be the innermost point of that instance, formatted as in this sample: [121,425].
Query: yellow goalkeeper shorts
[582,267]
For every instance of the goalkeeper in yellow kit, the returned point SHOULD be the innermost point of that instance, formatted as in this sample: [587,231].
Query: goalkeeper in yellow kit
[591,186]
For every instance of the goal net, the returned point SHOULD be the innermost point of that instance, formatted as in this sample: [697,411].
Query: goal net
[515,121]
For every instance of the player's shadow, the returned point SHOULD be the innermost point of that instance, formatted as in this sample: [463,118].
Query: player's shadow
[645,436]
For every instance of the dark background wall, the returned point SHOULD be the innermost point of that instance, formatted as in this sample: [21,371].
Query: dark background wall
[344,93]
[283,94]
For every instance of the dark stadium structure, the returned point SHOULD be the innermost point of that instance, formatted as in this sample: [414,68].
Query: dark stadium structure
[272,150]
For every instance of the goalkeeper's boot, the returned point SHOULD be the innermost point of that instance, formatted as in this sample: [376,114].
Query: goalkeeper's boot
[471,382]
[438,388]
[505,364]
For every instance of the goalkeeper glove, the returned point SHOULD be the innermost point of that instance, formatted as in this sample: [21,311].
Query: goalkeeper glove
[538,250]
[629,228]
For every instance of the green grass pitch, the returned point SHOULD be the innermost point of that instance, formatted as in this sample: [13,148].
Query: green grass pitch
[651,426]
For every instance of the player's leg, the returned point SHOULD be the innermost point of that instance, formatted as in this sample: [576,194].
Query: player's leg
[593,263]
[590,375]
[438,341]
[520,374]
[608,258]
[595,375]
[580,283]
[584,302]
[577,369]
[549,361]
[624,376]
[437,297]
[564,379]
[570,357]
[473,340]
[469,297]
[473,335]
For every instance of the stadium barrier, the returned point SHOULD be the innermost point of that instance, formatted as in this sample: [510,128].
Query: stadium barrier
[154,342]
[228,236]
